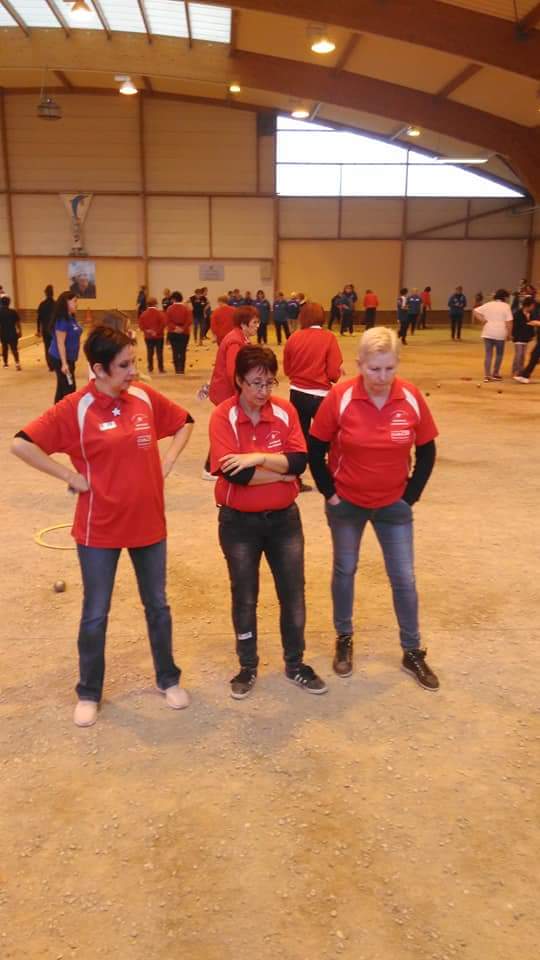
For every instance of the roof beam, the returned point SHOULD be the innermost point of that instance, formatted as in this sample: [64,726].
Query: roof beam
[460,78]
[102,18]
[530,20]
[145,20]
[347,52]
[148,84]
[357,92]
[235,19]
[66,83]
[59,16]
[441,26]
[188,23]
[16,16]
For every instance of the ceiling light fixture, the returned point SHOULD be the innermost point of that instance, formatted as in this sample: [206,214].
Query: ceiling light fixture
[81,10]
[127,87]
[47,108]
[235,88]
[458,160]
[300,113]
[320,42]
[412,131]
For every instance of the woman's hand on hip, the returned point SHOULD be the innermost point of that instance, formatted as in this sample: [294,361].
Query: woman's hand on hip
[235,462]
[333,500]
[77,483]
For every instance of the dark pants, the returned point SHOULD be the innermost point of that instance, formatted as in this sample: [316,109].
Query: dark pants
[306,405]
[282,325]
[154,344]
[347,319]
[456,323]
[244,537]
[10,344]
[370,317]
[423,317]
[262,333]
[98,567]
[198,329]
[412,319]
[178,343]
[404,319]
[534,357]
[334,315]
[63,386]
[47,339]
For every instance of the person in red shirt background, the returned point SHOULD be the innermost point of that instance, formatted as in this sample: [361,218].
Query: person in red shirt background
[426,306]
[110,430]
[152,323]
[371,302]
[178,318]
[368,426]
[257,452]
[312,361]
[221,321]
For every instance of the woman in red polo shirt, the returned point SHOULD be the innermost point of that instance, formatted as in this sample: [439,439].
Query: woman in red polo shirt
[110,430]
[368,427]
[257,452]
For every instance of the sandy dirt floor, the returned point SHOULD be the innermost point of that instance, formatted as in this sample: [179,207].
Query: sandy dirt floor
[378,822]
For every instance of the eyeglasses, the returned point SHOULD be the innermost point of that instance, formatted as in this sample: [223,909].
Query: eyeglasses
[261,384]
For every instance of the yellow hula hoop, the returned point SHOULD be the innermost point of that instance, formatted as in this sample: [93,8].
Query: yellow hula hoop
[38,538]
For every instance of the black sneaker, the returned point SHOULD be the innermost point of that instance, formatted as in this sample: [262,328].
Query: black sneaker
[343,658]
[414,662]
[305,677]
[243,682]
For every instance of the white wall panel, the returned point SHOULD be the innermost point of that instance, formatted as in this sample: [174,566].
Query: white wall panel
[40,225]
[94,146]
[478,265]
[242,227]
[308,217]
[194,148]
[4,231]
[503,224]
[429,212]
[178,226]
[371,217]
[113,227]
[184,276]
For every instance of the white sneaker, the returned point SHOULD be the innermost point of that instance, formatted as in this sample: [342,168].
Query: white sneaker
[206,475]
[85,714]
[521,379]
[176,697]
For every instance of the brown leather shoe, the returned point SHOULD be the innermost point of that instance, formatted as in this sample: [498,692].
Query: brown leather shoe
[343,658]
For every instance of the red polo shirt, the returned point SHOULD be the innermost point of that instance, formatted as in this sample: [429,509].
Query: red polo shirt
[370,449]
[221,322]
[178,318]
[371,300]
[222,382]
[152,323]
[312,359]
[232,431]
[113,443]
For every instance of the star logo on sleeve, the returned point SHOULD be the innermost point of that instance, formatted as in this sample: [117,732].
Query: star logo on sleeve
[116,412]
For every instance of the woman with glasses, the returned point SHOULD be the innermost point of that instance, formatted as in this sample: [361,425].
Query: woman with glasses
[257,452]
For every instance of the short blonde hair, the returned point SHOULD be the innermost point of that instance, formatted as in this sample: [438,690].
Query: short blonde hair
[378,340]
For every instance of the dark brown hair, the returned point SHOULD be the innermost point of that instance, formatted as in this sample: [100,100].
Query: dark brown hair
[251,358]
[242,315]
[104,344]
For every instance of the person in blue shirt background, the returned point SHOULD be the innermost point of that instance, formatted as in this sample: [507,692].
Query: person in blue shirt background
[414,309]
[65,343]
[262,307]
[456,309]
[293,309]
[345,306]
[281,318]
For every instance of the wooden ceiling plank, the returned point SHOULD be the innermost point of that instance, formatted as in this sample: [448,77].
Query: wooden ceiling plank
[460,78]
[16,16]
[145,20]
[59,16]
[102,18]
[457,30]
[347,52]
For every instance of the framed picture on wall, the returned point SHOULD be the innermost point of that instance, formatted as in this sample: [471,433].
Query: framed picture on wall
[82,279]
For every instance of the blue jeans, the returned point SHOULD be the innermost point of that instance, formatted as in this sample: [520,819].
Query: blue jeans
[489,346]
[98,567]
[393,528]
[244,537]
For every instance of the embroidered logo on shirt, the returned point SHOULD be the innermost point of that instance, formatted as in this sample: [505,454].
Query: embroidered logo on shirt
[116,412]
[108,425]
[273,440]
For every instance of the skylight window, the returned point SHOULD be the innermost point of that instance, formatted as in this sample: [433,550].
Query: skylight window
[210,23]
[5,19]
[123,16]
[36,13]
[167,17]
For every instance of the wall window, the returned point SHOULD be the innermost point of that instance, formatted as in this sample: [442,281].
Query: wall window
[317,161]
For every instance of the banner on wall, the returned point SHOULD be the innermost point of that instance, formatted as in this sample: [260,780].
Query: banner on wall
[82,279]
[77,206]
[211,271]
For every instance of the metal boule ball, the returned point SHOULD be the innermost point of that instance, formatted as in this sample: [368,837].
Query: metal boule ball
[59,586]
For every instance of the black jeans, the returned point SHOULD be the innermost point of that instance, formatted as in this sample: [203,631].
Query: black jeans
[98,568]
[534,357]
[423,318]
[244,537]
[46,344]
[154,344]
[63,387]
[178,343]
[282,325]
[10,344]
[404,320]
[306,405]
[347,320]
[262,333]
[370,317]
[456,322]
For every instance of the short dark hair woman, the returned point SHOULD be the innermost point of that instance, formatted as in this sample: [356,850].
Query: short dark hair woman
[44,320]
[110,430]
[65,344]
[257,451]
